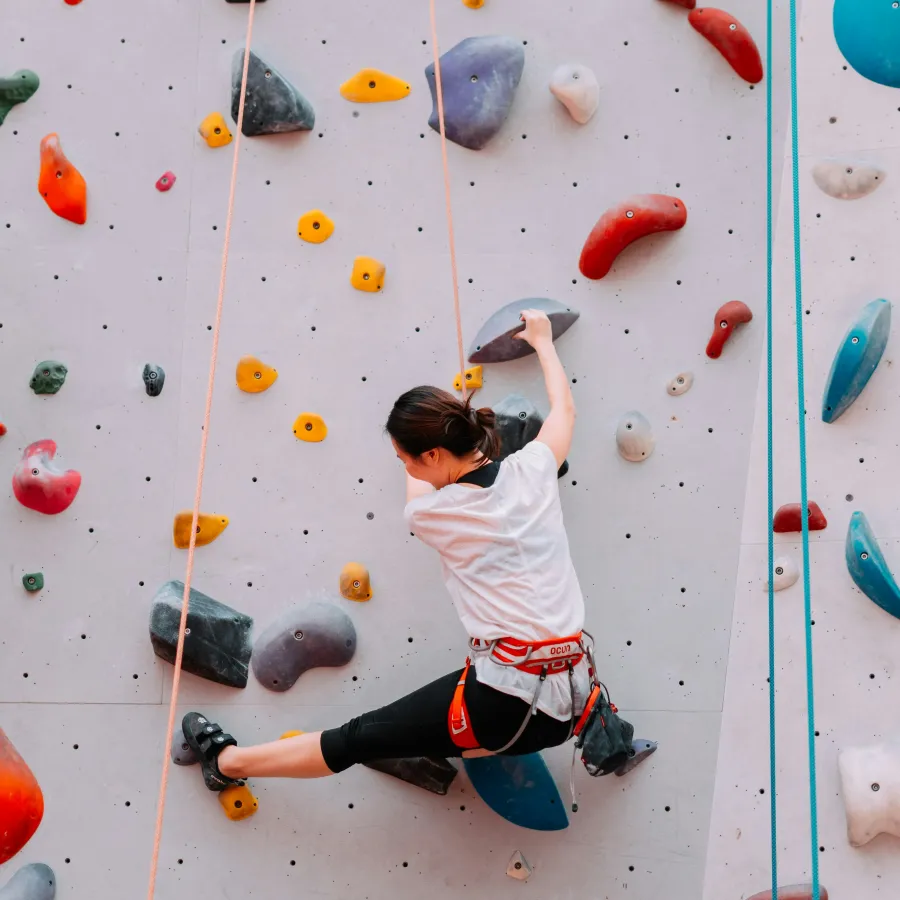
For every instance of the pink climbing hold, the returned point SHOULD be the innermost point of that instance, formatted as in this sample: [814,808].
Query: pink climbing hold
[728,317]
[165,182]
[788,519]
[41,485]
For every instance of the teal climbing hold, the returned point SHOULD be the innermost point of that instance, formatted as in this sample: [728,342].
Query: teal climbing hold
[19,87]
[32,882]
[272,104]
[868,568]
[868,34]
[856,359]
[33,581]
[519,788]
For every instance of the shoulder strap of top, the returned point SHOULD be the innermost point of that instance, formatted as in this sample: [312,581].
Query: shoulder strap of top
[482,477]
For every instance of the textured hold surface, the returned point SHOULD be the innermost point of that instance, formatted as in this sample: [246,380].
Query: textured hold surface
[786,573]
[60,183]
[431,773]
[314,227]
[272,104]
[367,274]
[355,582]
[310,427]
[474,379]
[48,377]
[633,219]
[495,341]
[253,376]
[576,87]
[870,784]
[154,379]
[303,638]
[634,437]
[520,789]
[479,77]
[728,317]
[373,86]
[867,566]
[518,423]
[33,581]
[218,647]
[868,34]
[793,892]
[856,359]
[680,384]
[35,881]
[19,87]
[165,182]
[788,518]
[731,39]
[214,131]
[21,801]
[40,484]
[180,752]
[237,802]
[847,180]
[518,867]
[209,527]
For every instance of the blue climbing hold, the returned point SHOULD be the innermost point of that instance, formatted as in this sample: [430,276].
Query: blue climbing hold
[857,358]
[868,34]
[519,788]
[868,568]
[479,77]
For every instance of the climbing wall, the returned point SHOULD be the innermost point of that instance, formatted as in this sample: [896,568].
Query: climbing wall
[656,543]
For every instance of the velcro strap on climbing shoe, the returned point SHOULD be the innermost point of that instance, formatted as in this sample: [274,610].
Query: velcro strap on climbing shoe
[535,657]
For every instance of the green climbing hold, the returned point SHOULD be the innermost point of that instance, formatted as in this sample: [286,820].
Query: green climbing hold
[33,581]
[16,89]
[48,377]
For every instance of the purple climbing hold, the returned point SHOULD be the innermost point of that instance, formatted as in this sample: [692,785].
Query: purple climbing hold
[496,341]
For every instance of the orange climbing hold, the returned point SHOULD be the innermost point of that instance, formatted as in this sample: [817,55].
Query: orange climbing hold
[355,582]
[474,379]
[209,527]
[290,734]
[788,518]
[60,183]
[310,427]
[21,801]
[731,39]
[728,317]
[238,802]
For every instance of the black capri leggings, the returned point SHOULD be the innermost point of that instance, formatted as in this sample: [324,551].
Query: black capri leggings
[416,725]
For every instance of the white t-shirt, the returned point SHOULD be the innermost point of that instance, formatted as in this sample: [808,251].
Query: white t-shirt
[506,563]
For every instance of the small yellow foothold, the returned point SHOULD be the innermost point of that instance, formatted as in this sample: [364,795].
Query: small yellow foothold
[368,274]
[290,734]
[373,86]
[214,131]
[209,527]
[474,378]
[315,227]
[355,582]
[238,802]
[253,376]
[310,427]
[473,4]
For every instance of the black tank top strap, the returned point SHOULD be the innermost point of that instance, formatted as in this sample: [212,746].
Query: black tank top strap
[483,477]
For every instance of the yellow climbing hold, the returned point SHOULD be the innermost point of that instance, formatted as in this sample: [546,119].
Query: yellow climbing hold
[368,274]
[209,527]
[290,734]
[373,86]
[254,376]
[315,227]
[474,378]
[473,4]
[355,582]
[214,131]
[238,802]
[310,427]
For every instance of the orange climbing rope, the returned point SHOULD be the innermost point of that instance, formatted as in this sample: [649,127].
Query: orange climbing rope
[170,729]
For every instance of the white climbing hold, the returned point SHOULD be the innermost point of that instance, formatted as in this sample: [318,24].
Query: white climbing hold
[576,87]
[518,867]
[870,783]
[786,573]
[680,384]
[846,179]
[634,437]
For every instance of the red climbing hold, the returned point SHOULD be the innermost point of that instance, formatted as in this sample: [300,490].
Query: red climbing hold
[165,181]
[788,519]
[731,39]
[2,429]
[728,317]
[41,485]
[21,801]
[687,4]
[622,225]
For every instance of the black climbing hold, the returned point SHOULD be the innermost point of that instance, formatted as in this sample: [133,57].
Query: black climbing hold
[32,882]
[431,773]
[217,646]
[273,105]
[518,423]
[154,379]
[495,341]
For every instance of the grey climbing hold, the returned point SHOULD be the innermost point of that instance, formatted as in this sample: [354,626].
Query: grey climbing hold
[154,379]
[518,423]
[576,87]
[180,751]
[272,105]
[431,773]
[217,644]
[641,748]
[495,341]
[479,77]
[48,377]
[32,882]
[518,867]
[846,179]
[303,638]
[634,437]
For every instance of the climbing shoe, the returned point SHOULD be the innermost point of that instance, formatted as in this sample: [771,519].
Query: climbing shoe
[207,740]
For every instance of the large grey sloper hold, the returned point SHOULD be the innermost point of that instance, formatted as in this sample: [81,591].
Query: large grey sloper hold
[272,104]
[302,638]
[431,773]
[518,423]
[218,645]
[495,341]
[32,882]
[479,77]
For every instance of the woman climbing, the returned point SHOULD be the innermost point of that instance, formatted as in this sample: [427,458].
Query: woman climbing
[498,529]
